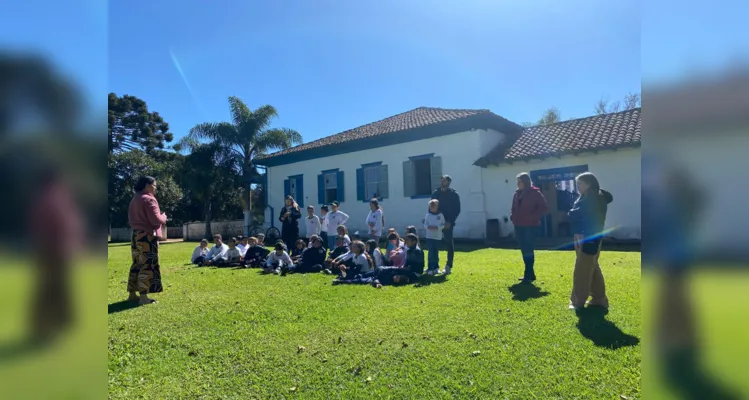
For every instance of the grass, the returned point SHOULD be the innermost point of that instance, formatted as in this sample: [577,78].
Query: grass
[226,333]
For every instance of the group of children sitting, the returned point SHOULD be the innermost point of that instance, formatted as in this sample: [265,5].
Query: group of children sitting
[352,261]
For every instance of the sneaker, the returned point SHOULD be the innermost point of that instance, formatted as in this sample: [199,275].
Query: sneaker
[277,271]
[327,272]
[448,269]
[571,307]
[284,270]
[430,272]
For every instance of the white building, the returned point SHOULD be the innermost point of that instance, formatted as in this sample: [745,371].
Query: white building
[401,158]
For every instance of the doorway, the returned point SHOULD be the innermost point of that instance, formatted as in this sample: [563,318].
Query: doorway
[559,187]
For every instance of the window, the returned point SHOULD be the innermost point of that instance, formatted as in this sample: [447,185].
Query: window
[421,175]
[294,187]
[330,187]
[372,182]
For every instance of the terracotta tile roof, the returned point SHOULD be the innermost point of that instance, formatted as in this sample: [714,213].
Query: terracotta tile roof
[416,118]
[607,131]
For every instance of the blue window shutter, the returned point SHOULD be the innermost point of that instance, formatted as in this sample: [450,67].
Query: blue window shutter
[382,187]
[341,190]
[286,188]
[360,195]
[436,170]
[300,190]
[408,179]
[321,189]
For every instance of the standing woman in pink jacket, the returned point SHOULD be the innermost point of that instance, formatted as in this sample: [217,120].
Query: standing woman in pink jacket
[146,220]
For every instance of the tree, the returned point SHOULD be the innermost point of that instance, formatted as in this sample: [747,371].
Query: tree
[630,101]
[211,178]
[127,167]
[248,135]
[551,116]
[132,126]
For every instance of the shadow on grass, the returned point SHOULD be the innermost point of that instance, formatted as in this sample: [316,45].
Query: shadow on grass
[594,326]
[120,306]
[21,349]
[524,292]
[426,280]
[685,375]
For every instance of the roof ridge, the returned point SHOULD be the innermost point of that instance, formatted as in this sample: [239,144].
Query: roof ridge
[588,117]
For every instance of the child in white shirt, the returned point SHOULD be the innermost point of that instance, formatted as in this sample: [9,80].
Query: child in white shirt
[335,218]
[324,227]
[200,252]
[242,245]
[434,222]
[375,220]
[278,259]
[233,256]
[354,262]
[312,222]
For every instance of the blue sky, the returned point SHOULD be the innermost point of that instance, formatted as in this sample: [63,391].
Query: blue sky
[333,65]
[328,66]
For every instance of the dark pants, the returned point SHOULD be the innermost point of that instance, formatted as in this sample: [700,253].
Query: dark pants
[324,237]
[303,268]
[526,236]
[289,235]
[449,244]
[433,249]
[200,260]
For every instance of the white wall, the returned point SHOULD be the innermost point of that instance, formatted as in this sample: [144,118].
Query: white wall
[458,152]
[617,172]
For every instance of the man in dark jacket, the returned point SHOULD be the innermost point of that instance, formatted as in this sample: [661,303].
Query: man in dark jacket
[528,206]
[450,209]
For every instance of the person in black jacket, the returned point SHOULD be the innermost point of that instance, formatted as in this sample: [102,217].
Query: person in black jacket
[312,259]
[450,209]
[256,255]
[588,218]
[290,215]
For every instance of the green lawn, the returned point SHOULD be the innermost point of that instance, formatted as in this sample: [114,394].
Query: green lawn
[225,333]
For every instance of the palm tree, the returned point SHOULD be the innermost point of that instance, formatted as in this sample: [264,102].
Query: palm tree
[248,135]
[208,171]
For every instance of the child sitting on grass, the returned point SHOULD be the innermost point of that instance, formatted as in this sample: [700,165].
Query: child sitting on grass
[311,260]
[410,272]
[233,257]
[242,244]
[256,255]
[261,240]
[200,253]
[277,260]
[340,250]
[343,232]
[396,256]
[353,263]
[296,252]
[375,254]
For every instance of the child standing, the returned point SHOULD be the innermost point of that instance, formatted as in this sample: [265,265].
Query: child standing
[324,227]
[278,259]
[434,222]
[375,219]
[335,218]
[200,252]
[312,223]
